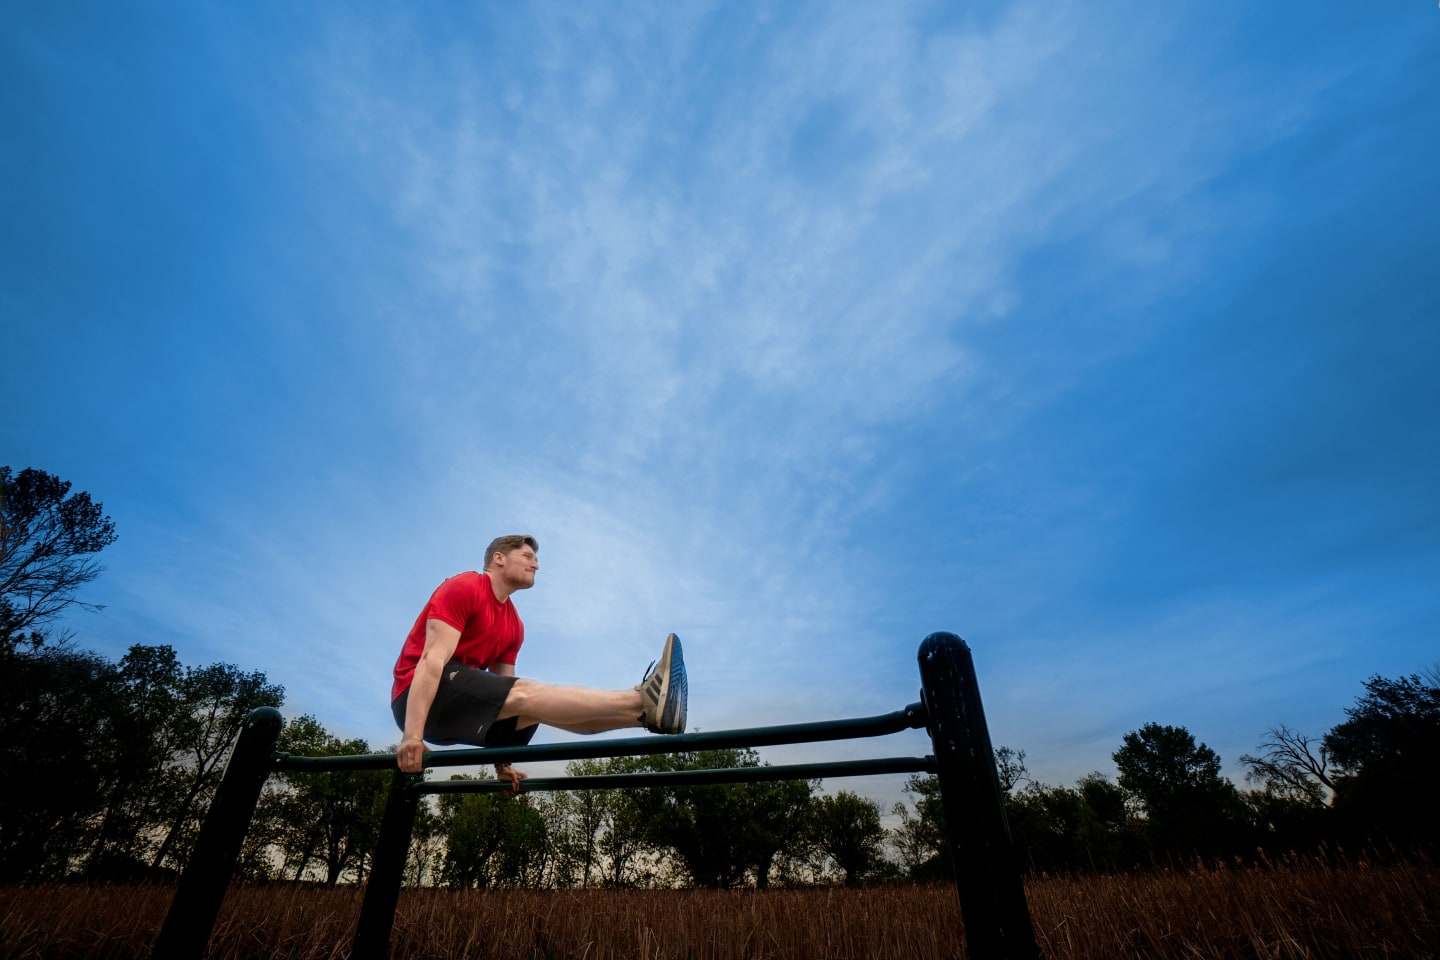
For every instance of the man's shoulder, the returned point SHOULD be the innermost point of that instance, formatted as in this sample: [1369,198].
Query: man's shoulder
[468,582]
[468,577]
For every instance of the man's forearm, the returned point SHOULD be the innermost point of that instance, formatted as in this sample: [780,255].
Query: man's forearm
[422,694]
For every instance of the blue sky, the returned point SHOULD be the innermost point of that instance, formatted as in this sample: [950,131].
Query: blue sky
[1105,338]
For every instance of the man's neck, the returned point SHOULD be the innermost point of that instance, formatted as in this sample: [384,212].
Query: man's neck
[502,592]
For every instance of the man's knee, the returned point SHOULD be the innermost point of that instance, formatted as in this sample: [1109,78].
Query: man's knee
[521,696]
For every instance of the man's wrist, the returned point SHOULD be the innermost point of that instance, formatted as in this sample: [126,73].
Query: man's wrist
[412,739]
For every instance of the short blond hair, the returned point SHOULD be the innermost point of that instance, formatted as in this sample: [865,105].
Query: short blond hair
[507,543]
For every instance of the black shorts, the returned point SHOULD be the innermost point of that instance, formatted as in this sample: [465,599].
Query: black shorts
[466,704]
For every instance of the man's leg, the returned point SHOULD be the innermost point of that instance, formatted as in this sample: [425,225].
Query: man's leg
[657,704]
[577,709]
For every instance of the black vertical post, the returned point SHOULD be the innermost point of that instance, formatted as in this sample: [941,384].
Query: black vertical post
[382,892]
[992,898]
[202,886]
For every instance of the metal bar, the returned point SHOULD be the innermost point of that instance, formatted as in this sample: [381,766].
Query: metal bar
[912,717]
[382,890]
[798,771]
[202,886]
[992,898]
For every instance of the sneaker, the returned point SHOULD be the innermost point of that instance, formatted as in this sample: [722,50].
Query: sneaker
[662,692]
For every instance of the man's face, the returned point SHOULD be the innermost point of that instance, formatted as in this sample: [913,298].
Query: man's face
[517,568]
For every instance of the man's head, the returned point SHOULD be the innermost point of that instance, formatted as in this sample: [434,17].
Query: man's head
[509,544]
[513,559]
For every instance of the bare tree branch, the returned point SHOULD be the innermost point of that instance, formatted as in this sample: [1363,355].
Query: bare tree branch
[1292,765]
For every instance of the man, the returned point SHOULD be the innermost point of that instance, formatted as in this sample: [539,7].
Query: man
[455,680]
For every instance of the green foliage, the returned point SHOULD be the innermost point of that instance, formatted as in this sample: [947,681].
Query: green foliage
[108,756]
[1080,828]
[58,749]
[327,820]
[1285,822]
[1388,755]
[599,838]
[144,783]
[48,541]
[920,839]
[211,704]
[847,829]
[1010,768]
[1188,806]
[723,833]
[427,846]
[491,840]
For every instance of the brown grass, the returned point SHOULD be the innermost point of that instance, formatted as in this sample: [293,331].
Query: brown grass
[1307,909]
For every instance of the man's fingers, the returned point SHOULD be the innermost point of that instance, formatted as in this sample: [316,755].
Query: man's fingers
[514,776]
[411,757]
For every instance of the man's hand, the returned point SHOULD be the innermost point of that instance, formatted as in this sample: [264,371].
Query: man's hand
[410,755]
[503,771]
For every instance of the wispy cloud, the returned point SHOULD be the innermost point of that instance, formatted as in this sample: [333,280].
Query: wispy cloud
[628,271]
[800,329]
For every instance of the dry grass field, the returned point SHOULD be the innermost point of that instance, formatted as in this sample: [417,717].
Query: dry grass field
[1302,908]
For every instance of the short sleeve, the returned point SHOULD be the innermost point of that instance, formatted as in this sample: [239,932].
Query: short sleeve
[454,602]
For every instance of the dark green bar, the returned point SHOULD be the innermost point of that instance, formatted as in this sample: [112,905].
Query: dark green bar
[911,717]
[987,873]
[382,890]
[202,886]
[797,771]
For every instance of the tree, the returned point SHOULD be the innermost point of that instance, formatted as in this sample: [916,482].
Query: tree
[1395,721]
[214,702]
[1078,828]
[1104,839]
[721,833]
[48,542]
[1285,821]
[331,818]
[1388,755]
[1291,766]
[912,849]
[920,839]
[847,828]
[101,749]
[148,714]
[1188,806]
[594,829]
[491,840]
[57,754]
[427,845]
[1010,767]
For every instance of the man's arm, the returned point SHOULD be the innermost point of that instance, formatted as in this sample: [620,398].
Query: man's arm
[441,639]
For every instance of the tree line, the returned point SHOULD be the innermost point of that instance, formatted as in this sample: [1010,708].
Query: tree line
[110,766]
[1369,783]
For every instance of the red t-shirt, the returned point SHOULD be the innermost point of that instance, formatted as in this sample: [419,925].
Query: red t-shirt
[490,631]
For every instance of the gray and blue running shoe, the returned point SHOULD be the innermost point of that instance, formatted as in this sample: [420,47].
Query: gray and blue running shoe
[664,689]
